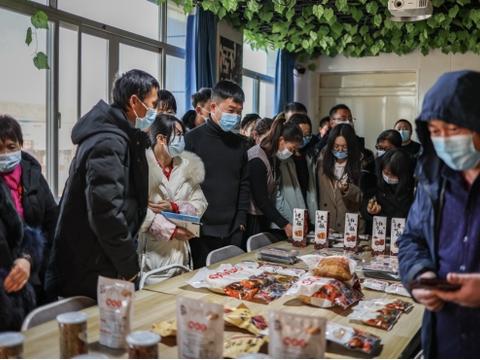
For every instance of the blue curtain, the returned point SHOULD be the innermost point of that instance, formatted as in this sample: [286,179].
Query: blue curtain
[283,80]
[201,48]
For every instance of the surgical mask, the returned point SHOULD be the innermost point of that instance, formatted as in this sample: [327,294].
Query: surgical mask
[147,120]
[9,161]
[380,153]
[405,134]
[176,146]
[457,151]
[229,122]
[390,180]
[306,140]
[284,154]
[340,155]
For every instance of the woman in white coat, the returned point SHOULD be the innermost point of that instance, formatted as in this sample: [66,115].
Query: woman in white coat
[174,177]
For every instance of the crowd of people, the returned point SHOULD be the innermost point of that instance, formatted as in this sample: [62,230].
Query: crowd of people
[135,159]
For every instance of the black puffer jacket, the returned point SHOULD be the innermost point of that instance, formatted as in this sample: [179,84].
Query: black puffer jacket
[103,204]
[15,240]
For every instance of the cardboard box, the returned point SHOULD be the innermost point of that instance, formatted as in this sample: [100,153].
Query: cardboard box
[321,229]
[298,228]
[379,235]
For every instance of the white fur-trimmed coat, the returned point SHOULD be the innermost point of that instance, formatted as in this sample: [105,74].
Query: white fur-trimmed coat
[183,188]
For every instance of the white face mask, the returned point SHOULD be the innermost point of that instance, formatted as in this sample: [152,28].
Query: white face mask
[389,180]
[284,154]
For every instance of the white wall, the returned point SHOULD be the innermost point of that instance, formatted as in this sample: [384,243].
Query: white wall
[428,69]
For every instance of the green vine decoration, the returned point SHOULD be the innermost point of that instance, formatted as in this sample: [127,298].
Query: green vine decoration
[39,21]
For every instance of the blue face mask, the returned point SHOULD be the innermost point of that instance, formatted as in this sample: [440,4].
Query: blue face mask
[9,161]
[405,134]
[306,140]
[457,151]
[176,146]
[147,120]
[229,122]
[340,155]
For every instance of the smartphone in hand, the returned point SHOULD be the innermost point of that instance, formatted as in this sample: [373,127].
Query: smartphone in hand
[434,284]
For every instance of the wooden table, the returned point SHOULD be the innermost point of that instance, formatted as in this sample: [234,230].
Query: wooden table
[158,303]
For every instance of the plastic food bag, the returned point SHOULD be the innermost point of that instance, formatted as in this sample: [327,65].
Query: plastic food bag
[115,302]
[200,329]
[243,318]
[241,344]
[294,336]
[326,292]
[397,289]
[381,313]
[336,267]
[353,339]
[373,284]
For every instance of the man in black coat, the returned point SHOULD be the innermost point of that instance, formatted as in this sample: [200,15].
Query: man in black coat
[106,195]
[226,184]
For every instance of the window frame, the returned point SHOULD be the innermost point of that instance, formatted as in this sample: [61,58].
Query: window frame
[112,34]
[257,79]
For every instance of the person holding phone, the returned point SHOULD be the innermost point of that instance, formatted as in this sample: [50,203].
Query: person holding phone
[441,240]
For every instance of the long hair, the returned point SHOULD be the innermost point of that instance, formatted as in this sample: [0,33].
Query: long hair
[280,128]
[400,164]
[164,124]
[354,153]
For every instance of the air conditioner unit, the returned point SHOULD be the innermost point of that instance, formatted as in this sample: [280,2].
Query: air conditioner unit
[410,10]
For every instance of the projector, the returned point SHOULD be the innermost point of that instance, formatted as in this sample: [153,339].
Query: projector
[410,10]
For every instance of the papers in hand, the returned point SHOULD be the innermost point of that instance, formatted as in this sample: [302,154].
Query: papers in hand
[190,222]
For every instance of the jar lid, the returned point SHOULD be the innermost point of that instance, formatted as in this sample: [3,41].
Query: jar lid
[143,338]
[75,317]
[11,338]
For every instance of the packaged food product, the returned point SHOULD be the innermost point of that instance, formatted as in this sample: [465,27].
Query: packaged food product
[253,356]
[165,328]
[377,285]
[263,288]
[397,289]
[337,267]
[294,336]
[326,292]
[200,329]
[397,228]
[243,318]
[143,345]
[320,240]
[11,345]
[279,255]
[299,228]
[382,313]
[242,344]
[379,235]
[115,302]
[73,334]
[353,339]
[351,232]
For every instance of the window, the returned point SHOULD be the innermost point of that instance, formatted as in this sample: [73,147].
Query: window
[175,81]
[136,58]
[67,101]
[258,80]
[94,71]
[24,88]
[140,17]
[176,25]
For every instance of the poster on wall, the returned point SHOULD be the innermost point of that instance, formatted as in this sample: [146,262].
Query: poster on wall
[230,60]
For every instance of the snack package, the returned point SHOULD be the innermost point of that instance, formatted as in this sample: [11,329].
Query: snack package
[320,240]
[165,328]
[299,223]
[382,313]
[353,339]
[398,225]
[263,288]
[241,344]
[243,318]
[115,302]
[335,266]
[397,289]
[326,292]
[379,235]
[278,255]
[373,284]
[351,232]
[200,329]
[294,336]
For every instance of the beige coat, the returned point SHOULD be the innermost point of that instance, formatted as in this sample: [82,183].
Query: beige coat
[337,204]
